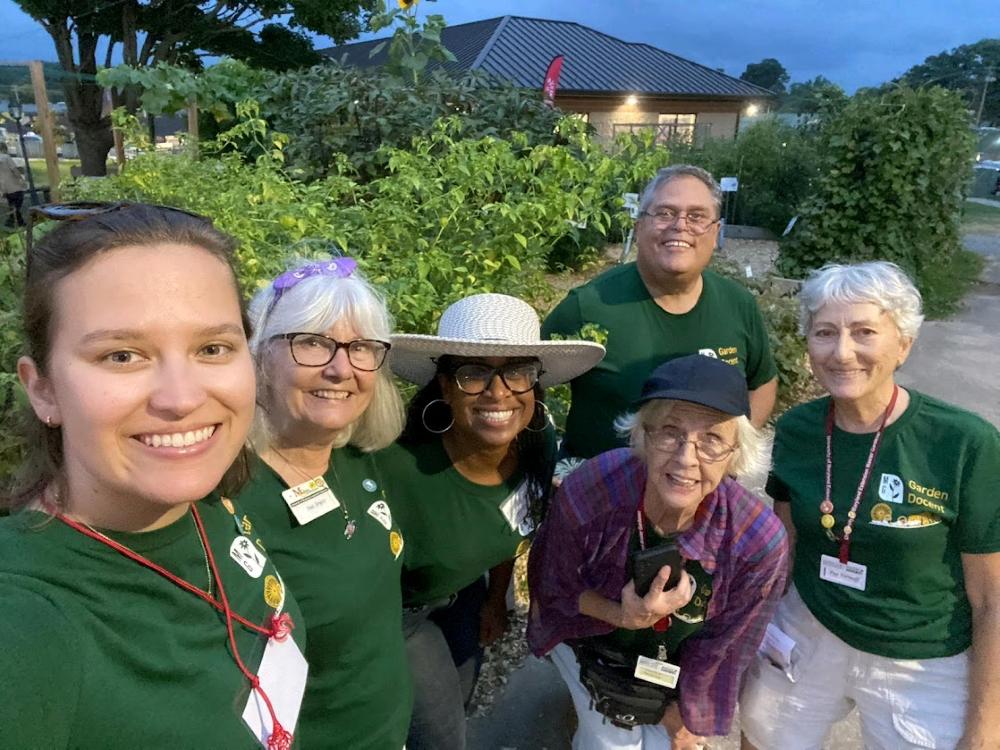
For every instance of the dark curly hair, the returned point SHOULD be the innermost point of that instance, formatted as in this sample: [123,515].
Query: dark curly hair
[534,458]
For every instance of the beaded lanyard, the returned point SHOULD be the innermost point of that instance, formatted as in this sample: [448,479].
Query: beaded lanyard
[826,507]
[281,626]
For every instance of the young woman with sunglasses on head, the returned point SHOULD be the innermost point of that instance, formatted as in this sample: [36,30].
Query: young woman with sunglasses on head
[468,476]
[134,615]
[326,402]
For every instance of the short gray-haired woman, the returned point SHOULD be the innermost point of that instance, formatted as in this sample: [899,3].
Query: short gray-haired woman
[663,669]
[891,499]
[325,404]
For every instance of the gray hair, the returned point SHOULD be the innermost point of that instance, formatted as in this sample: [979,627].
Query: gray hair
[878,282]
[314,305]
[752,451]
[666,174]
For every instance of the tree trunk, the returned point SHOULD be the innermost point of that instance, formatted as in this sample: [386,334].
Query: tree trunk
[84,100]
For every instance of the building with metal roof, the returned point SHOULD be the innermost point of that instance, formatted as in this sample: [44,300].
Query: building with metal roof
[616,85]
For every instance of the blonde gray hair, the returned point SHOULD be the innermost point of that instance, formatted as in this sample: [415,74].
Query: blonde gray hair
[752,453]
[666,174]
[314,305]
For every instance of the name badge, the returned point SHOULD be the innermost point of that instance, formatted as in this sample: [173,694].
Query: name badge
[853,575]
[310,500]
[515,510]
[656,671]
[282,673]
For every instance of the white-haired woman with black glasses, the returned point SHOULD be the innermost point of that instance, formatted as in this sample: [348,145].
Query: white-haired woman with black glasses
[890,497]
[325,404]
[470,474]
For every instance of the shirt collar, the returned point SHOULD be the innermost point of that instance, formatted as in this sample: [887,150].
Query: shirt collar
[703,539]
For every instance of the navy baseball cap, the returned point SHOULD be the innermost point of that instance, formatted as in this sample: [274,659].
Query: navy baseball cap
[701,380]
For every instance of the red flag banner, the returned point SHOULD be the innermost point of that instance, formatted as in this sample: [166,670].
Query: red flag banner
[551,81]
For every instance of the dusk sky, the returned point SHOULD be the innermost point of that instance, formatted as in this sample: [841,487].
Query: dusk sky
[852,42]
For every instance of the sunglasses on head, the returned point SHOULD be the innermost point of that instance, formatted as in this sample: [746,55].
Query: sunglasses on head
[78,211]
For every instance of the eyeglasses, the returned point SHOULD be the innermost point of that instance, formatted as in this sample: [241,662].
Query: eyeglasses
[316,350]
[81,210]
[708,447]
[519,377]
[697,221]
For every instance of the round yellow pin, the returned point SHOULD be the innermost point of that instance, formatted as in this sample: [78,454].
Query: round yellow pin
[827,521]
[273,591]
[395,543]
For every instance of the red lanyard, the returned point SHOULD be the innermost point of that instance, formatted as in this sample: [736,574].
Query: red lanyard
[663,623]
[826,507]
[281,626]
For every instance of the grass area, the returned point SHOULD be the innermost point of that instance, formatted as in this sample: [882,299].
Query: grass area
[946,289]
[40,174]
[980,219]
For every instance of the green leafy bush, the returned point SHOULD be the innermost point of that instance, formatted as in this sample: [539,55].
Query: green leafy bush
[894,174]
[777,165]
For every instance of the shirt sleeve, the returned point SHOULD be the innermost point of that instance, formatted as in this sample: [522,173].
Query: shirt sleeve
[714,660]
[40,664]
[979,510]
[565,319]
[760,361]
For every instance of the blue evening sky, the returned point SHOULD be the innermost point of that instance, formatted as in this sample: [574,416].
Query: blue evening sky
[852,42]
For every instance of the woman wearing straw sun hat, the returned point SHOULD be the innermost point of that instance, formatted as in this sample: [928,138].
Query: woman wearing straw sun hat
[469,475]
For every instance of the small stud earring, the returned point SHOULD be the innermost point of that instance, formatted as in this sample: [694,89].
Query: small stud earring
[48,421]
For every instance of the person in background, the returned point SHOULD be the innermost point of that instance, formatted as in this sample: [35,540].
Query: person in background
[469,477]
[12,185]
[326,403]
[137,614]
[660,668]
[890,498]
[664,305]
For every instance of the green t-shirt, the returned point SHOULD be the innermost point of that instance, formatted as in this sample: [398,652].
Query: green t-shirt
[725,323]
[455,529]
[684,623]
[358,694]
[932,496]
[101,652]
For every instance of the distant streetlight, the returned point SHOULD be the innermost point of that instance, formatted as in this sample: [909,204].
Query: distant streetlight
[631,100]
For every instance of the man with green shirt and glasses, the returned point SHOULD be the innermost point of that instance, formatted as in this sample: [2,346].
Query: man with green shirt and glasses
[665,305]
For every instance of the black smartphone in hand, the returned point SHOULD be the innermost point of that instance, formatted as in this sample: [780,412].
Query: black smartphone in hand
[644,564]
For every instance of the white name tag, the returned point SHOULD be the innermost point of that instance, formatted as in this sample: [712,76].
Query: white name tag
[852,574]
[310,500]
[656,671]
[282,674]
[515,510]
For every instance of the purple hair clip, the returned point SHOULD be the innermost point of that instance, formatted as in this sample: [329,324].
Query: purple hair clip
[339,268]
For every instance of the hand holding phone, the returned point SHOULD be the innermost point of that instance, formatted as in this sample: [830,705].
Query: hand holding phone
[645,564]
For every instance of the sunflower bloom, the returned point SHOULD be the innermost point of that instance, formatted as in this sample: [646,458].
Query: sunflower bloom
[406,4]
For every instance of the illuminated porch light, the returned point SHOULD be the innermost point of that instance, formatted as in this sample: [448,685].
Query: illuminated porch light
[631,100]
[752,109]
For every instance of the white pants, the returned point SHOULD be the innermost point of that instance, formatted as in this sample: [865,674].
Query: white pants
[594,731]
[903,703]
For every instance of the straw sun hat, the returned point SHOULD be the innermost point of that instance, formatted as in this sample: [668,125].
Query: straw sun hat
[491,325]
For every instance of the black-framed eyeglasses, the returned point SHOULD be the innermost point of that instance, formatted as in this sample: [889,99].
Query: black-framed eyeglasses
[519,377]
[709,448]
[80,210]
[697,222]
[317,350]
